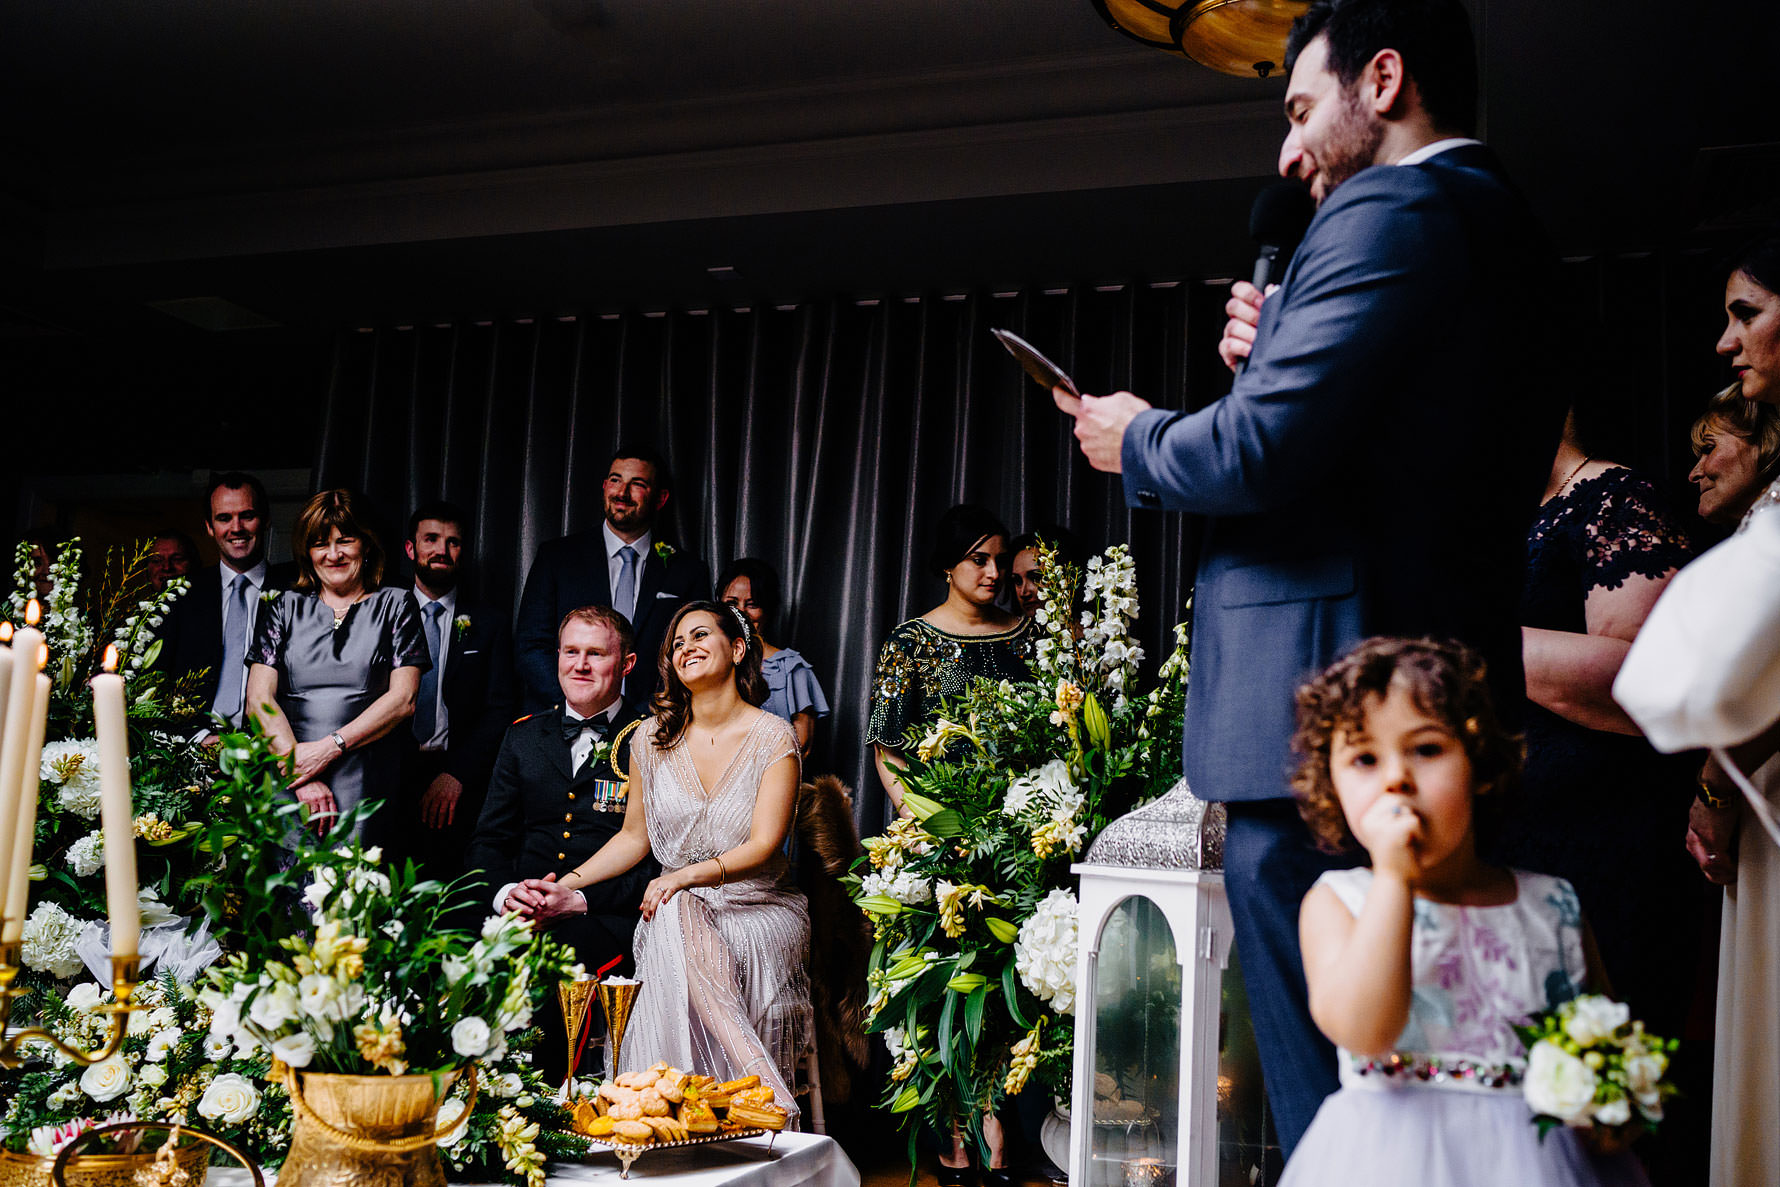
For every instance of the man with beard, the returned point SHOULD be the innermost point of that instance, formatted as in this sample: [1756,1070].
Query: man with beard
[208,629]
[1375,466]
[624,565]
[465,699]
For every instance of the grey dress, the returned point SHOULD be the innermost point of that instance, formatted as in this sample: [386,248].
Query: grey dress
[327,676]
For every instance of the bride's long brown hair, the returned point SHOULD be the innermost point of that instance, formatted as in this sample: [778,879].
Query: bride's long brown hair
[673,700]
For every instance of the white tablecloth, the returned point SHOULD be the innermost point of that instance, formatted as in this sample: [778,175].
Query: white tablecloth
[796,1160]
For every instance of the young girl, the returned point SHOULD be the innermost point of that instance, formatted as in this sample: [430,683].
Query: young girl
[1418,965]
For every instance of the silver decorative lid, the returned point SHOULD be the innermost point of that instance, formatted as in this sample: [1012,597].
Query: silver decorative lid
[1175,831]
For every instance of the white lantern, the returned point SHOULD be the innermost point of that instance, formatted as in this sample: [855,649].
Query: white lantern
[1155,942]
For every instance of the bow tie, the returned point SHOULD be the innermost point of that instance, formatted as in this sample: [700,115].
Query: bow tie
[572,727]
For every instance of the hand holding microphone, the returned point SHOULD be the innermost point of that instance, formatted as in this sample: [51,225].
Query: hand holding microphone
[1277,222]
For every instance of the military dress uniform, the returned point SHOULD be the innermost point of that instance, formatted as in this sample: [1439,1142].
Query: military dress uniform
[541,817]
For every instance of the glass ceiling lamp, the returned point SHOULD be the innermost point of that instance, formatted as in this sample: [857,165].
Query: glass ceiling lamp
[1246,38]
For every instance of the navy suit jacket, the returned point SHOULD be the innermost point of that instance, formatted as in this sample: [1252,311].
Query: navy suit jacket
[191,638]
[570,573]
[479,695]
[1375,468]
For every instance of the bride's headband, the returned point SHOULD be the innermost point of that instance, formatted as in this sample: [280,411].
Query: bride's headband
[747,627]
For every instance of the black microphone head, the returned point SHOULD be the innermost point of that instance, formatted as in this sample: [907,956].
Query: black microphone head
[1280,214]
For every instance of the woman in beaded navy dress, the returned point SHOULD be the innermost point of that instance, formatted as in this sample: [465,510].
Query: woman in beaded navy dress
[341,659]
[937,655]
[1599,806]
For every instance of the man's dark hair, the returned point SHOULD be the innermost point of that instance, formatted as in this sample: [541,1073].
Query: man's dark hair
[440,510]
[664,477]
[1433,36]
[186,544]
[237,480]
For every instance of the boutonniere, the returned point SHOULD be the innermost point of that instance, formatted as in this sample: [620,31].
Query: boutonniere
[460,626]
[664,550]
[271,595]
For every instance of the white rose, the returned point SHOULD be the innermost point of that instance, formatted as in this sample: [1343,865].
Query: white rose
[1596,1018]
[217,1047]
[85,997]
[1614,1112]
[319,997]
[64,1096]
[296,1049]
[225,1013]
[106,1080]
[231,1099]
[469,1038]
[1558,1084]
[449,1112]
[152,1076]
[162,1044]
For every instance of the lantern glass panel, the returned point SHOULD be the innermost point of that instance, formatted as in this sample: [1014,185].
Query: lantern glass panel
[1248,1151]
[1137,1050]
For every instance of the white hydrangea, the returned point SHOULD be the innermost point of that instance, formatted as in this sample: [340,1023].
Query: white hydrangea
[86,856]
[1045,951]
[72,764]
[905,886]
[49,939]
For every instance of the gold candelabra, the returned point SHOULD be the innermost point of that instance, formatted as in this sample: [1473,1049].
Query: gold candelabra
[126,971]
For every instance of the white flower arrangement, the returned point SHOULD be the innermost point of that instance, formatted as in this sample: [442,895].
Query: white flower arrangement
[1047,801]
[1045,951]
[72,766]
[86,856]
[1590,1064]
[49,941]
[905,886]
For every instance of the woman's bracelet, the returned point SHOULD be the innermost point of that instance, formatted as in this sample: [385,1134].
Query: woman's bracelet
[722,871]
[1711,798]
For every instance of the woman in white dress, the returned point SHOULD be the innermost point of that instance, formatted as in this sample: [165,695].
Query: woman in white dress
[722,947]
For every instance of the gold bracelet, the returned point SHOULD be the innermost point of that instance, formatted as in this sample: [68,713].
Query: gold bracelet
[722,871]
[1711,798]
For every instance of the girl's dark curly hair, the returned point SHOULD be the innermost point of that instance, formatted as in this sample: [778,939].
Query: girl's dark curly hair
[1445,679]
[673,700]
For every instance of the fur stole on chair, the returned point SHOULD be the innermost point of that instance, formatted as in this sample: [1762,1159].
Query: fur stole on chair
[828,844]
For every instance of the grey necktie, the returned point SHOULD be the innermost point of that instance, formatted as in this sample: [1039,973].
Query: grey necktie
[624,598]
[426,701]
[234,656]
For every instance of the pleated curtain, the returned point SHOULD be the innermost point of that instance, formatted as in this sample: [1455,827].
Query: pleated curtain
[825,438]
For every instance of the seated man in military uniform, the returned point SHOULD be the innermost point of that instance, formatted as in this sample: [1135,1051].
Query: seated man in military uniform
[558,793]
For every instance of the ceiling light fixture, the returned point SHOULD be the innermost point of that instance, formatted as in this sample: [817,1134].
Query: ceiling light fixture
[1245,38]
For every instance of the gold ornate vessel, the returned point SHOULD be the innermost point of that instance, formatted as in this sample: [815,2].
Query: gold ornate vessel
[103,1170]
[350,1131]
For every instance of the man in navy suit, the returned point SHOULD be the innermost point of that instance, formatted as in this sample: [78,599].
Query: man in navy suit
[1375,466]
[465,700]
[622,564]
[209,628]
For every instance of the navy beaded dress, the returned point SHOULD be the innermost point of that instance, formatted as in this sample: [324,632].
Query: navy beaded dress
[1605,811]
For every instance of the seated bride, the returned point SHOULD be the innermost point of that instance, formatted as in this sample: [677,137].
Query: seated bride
[722,946]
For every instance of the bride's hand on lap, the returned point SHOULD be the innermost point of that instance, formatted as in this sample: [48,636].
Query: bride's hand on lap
[660,890]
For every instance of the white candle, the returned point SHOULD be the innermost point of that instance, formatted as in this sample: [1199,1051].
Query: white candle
[18,881]
[116,813]
[5,676]
[26,646]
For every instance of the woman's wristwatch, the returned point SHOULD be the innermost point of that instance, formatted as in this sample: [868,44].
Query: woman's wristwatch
[338,741]
[1711,798]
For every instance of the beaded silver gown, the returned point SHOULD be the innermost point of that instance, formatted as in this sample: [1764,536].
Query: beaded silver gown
[725,987]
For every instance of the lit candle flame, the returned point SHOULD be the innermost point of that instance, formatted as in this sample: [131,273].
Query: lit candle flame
[5,632]
[33,613]
[110,662]
[42,656]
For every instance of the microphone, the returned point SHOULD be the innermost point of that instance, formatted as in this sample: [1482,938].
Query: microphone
[1276,222]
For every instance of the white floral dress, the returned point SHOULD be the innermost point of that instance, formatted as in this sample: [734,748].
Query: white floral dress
[1445,1108]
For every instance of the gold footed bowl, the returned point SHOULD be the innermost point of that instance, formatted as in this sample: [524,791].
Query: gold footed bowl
[367,1131]
[106,1170]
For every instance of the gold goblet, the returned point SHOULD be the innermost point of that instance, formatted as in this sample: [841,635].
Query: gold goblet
[616,1002]
[573,996]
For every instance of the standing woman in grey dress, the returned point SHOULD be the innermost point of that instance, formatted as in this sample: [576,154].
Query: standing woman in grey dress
[341,659]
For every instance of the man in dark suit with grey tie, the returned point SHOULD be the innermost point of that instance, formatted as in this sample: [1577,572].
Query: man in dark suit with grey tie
[623,564]
[208,629]
[466,698]
[1373,469]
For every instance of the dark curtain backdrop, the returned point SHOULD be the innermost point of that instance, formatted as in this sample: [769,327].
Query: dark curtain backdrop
[825,438]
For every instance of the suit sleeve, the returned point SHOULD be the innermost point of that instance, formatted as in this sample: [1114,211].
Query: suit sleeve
[472,757]
[1383,263]
[500,830]
[534,636]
